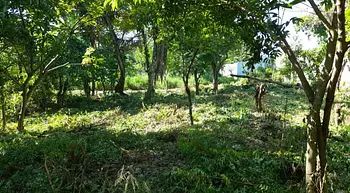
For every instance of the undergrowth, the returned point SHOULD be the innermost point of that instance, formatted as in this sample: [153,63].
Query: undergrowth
[121,144]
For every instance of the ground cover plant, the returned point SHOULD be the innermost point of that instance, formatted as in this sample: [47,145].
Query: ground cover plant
[156,96]
[120,144]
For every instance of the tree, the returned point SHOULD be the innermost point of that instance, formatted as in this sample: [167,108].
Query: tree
[35,53]
[253,13]
[220,41]
[318,123]
[188,27]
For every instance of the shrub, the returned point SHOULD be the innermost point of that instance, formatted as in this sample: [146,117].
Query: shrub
[138,82]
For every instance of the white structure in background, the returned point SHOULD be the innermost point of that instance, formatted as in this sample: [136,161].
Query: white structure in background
[236,69]
[239,68]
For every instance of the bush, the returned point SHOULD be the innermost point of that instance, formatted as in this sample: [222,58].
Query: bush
[138,82]
[173,82]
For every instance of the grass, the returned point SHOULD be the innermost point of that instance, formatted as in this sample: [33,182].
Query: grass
[120,144]
[140,82]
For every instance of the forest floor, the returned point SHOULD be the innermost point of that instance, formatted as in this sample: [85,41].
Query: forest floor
[121,144]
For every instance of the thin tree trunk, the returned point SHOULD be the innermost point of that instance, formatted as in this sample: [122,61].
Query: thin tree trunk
[118,54]
[149,68]
[215,77]
[93,86]
[3,111]
[185,78]
[63,88]
[20,126]
[196,79]
[215,82]
[87,87]
[166,82]
[337,114]
[188,92]
[311,154]
[27,92]
[59,93]
[121,82]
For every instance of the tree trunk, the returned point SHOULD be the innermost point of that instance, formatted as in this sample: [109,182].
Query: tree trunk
[93,86]
[165,63]
[260,91]
[118,54]
[121,82]
[188,92]
[59,93]
[311,153]
[337,114]
[63,87]
[215,79]
[337,106]
[22,114]
[27,92]
[87,87]
[185,77]
[3,111]
[196,79]
[149,66]
[166,81]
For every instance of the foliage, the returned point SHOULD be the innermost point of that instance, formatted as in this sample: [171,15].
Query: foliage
[116,144]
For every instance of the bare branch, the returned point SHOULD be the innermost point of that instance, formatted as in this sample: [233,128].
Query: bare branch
[297,68]
[320,15]
[50,63]
[57,67]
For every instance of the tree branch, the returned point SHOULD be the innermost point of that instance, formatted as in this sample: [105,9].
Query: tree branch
[61,66]
[338,64]
[191,64]
[297,68]
[50,63]
[266,80]
[320,15]
[327,69]
[10,77]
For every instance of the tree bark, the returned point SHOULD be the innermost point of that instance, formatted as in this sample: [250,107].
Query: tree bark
[149,66]
[93,86]
[188,92]
[215,78]
[185,78]
[87,89]
[311,152]
[20,126]
[4,118]
[63,87]
[260,91]
[196,79]
[118,54]
[3,110]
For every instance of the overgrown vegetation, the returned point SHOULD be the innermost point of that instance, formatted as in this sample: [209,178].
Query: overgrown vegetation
[120,144]
[133,60]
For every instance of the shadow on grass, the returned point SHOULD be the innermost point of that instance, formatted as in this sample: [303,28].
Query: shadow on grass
[131,104]
[210,157]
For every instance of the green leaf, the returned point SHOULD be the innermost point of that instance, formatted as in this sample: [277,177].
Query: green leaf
[115,4]
[107,2]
